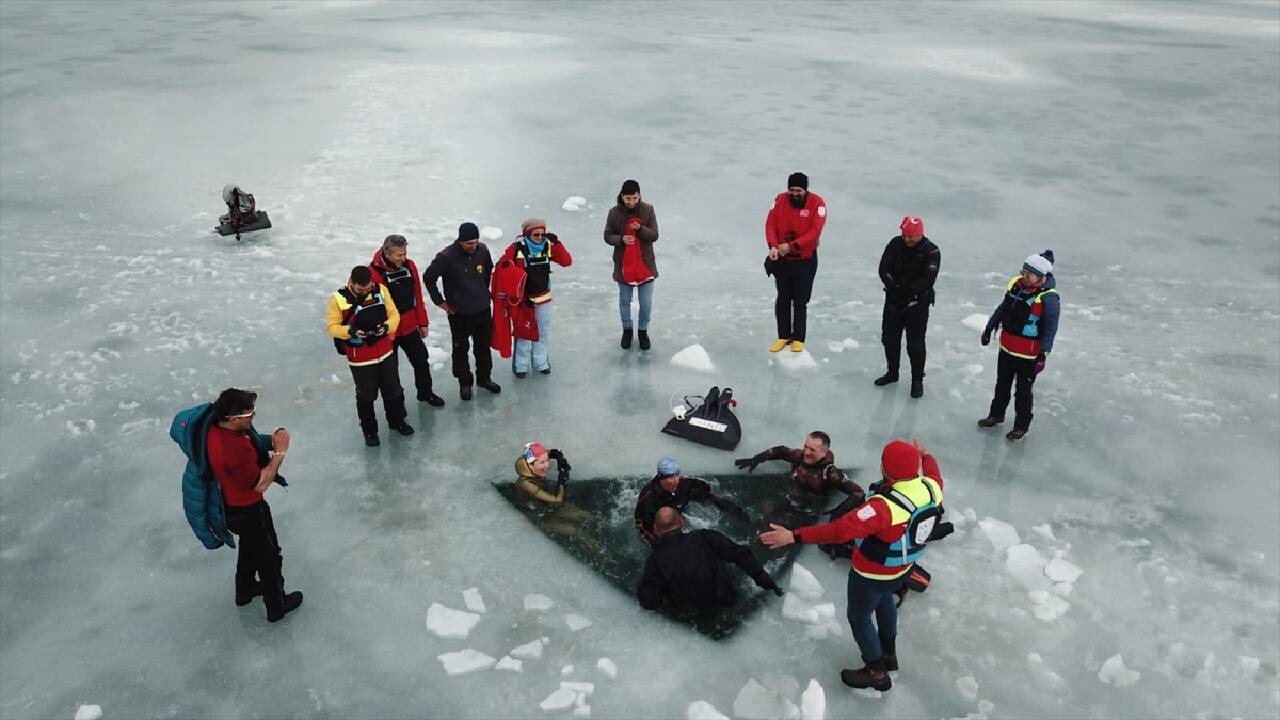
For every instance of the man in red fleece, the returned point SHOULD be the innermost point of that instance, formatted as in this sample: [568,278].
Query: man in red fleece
[792,230]
[890,529]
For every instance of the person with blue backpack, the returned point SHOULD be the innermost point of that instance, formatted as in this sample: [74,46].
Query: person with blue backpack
[230,466]
[890,531]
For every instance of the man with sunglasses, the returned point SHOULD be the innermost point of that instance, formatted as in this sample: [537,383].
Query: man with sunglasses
[792,230]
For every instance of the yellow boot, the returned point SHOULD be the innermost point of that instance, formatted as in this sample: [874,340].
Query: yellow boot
[778,345]
[797,346]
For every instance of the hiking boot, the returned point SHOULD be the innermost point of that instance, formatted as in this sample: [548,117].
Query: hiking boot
[431,399]
[522,375]
[917,388]
[885,379]
[371,440]
[403,428]
[644,340]
[464,392]
[872,676]
[626,338]
[990,422]
[889,648]
[247,597]
[1015,435]
[491,386]
[291,603]
[545,371]
[779,344]
[797,346]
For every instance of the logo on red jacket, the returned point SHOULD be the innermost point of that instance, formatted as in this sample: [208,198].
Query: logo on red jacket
[804,212]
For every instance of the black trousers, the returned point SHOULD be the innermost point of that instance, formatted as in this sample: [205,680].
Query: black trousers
[416,352]
[259,560]
[1008,369]
[915,321]
[794,280]
[384,378]
[471,330]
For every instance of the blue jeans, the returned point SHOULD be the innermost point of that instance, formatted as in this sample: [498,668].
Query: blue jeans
[531,350]
[867,596]
[646,303]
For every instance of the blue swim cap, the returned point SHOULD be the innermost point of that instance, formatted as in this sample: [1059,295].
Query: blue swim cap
[667,466]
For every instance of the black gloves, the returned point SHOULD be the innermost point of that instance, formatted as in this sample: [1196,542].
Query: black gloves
[986,338]
[773,585]
[749,464]
[558,456]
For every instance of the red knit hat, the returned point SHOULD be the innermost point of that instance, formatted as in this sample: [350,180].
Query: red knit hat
[900,460]
[911,226]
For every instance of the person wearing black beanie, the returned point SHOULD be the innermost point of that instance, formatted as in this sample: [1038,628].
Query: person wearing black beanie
[792,231]
[466,268]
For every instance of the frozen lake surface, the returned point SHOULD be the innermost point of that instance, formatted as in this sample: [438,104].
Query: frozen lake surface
[1122,562]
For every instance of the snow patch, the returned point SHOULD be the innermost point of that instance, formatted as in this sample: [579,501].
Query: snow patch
[1114,672]
[465,661]
[536,601]
[490,234]
[574,203]
[693,357]
[446,622]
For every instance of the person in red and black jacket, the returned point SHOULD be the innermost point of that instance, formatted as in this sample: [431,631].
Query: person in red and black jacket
[891,530]
[393,269]
[245,466]
[792,231]
[669,488]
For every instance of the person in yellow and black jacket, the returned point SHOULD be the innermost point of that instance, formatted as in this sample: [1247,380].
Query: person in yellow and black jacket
[363,321]
[1028,318]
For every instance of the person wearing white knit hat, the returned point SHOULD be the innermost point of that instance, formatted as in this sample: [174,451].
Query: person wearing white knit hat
[1028,318]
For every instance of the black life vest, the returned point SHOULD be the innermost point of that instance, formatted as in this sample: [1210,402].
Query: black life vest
[401,284]
[537,267]
[366,314]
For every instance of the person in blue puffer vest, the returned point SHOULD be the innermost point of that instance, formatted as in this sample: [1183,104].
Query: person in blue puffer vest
[229,467]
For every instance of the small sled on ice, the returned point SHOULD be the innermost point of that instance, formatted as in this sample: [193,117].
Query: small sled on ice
[243,215]
[711,422]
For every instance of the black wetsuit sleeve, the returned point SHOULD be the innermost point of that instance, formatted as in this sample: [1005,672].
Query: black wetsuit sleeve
[923,285]
[644,516]
[835,478]
[886,267]
[649,591]
[729,551]
[777,452]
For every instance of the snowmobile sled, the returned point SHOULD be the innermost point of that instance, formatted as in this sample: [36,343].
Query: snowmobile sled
[242,215]
[711,422]
[594,526]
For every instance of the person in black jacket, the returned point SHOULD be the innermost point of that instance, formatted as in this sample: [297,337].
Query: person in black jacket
[467,268]
[908,269]
[669,488]
[688,572]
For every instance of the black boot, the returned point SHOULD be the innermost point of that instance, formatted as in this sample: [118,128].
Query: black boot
[871,676]
[626,338]
[291,602]
[917,388]
[246,597]
[491,386]
[644,340]
[403,428]
[464,392]
[885,379]
[431,399]
[371,440]
[889,653]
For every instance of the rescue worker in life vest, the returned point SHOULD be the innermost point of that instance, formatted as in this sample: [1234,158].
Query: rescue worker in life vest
[1028,318]
[669,488]
[393,269]
[689,572]
[362,320]
[891,529]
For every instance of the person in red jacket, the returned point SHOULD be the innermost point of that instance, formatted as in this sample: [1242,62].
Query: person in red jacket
[392,268]
[792,231]
[890,530]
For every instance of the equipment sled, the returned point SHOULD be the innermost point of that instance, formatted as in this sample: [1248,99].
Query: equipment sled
[711,423]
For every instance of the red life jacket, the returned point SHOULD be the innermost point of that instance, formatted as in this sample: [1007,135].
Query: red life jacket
[507,291]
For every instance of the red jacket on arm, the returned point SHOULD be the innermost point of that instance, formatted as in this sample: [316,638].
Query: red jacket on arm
[413,319]
[803,224]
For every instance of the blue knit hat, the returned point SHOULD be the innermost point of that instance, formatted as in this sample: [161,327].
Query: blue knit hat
[667,467]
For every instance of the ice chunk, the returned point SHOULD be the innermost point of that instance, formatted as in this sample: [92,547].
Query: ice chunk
[796,361]
[561,699]
[985,707]
[577,622]
[573,203]
[566,670]
[816,632]
[531,650]
[1043,676]
[585,688]
[826,611]
[449,623]
[1061,571]
[1249,665]
[757,702]
[835,346]
[88,712]
[1001,534]
[804,584]
[509,663]
[813,702]
[1048,607]
[976,321]
[1114,672]
[608,667]
[1027,566]
[693,357]
[582,710]
[489,234]
[475,603]
[968,687]
[465,661]
[789,710]
[850,344]
[703,710]
[793,608]
[1045,532]
[536,601]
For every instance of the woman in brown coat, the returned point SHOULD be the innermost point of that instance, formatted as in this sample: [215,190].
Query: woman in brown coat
[632,229]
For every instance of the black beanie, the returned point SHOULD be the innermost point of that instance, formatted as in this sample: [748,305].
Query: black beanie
[798,179]
[468,231]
